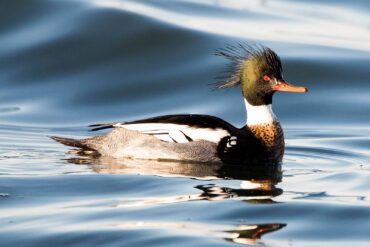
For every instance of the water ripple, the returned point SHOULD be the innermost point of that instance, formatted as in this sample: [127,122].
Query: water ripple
[67,64]
[299,19]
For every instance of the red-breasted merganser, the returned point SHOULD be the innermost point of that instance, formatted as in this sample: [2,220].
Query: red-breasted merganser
[203,138]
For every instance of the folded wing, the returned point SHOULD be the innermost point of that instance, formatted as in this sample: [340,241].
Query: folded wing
[177,128]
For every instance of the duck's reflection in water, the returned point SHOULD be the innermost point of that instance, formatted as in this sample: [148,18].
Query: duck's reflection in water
[249,234]
[100,164]
[243,234]
[257,185]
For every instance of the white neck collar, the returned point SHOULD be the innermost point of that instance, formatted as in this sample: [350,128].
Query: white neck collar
[261,114]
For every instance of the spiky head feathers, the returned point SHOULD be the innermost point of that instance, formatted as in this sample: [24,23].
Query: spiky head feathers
[254,67]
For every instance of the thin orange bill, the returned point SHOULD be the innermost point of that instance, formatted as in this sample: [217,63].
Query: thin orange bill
[285,87]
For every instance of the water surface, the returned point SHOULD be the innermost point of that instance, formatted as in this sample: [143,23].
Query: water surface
[67,64]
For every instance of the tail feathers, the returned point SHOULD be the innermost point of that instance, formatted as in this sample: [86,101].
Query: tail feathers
[96,127]
[70,142]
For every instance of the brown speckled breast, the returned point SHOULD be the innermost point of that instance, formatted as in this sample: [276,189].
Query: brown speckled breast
[271,136]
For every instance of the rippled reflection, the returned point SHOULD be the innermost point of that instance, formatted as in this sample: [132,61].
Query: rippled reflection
[242,234]
[248,234]
[257,183]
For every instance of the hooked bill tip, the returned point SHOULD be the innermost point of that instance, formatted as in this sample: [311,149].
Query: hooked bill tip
[285,87]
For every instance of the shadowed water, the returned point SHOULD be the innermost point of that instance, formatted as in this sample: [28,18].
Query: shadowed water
[67,64]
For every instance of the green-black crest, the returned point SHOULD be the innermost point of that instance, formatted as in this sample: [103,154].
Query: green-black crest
[258,58]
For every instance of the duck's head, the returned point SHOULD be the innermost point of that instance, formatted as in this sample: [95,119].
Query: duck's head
[259,72]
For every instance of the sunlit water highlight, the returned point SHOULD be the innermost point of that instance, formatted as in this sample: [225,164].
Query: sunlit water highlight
[283,21]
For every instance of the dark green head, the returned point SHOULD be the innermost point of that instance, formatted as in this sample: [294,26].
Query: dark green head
[258,70]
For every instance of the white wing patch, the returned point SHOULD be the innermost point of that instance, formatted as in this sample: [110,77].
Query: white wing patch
[177,132]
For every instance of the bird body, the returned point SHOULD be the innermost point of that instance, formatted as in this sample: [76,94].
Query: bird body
[204,138]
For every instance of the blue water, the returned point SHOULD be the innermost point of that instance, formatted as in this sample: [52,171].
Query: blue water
[67,64]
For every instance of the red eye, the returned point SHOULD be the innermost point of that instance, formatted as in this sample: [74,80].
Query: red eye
[266,78]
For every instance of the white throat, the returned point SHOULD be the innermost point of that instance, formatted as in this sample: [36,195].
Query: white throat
[261,114]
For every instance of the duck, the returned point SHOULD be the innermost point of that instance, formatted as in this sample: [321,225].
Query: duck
[204,138]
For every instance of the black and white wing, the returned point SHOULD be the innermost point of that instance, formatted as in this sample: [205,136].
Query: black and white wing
[177,128]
